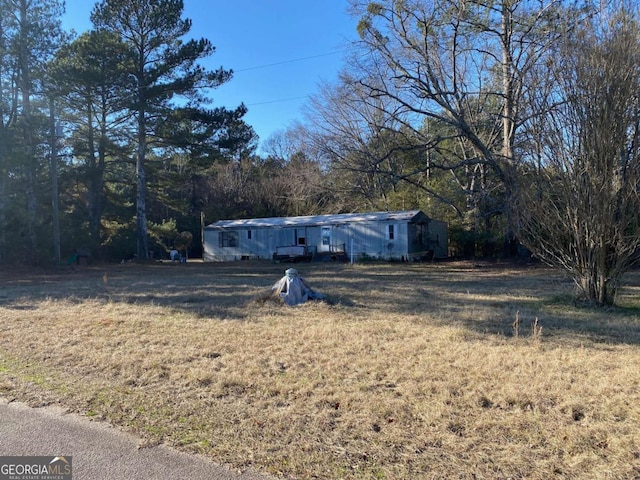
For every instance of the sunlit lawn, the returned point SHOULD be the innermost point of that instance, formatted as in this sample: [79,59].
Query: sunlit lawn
[407,371]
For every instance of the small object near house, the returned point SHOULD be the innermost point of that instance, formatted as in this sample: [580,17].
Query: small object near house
[182,243]
[81,256]
[293,253]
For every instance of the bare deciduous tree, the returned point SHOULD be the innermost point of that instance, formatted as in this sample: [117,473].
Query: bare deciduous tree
[579,196]
[363,149]
[301,186]
[457,67]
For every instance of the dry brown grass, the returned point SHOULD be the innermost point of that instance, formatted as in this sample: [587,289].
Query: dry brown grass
[435,371]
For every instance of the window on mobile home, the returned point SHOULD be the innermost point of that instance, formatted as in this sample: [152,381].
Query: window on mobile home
[228,239]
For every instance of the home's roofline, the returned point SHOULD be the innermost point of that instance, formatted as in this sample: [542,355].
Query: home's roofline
[316,220]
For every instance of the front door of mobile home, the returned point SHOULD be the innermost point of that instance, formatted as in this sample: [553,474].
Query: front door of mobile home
[325,239]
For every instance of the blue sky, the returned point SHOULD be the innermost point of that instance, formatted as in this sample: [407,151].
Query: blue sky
[280,50]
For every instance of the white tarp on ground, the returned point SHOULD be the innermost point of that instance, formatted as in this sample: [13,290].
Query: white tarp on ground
[294,290]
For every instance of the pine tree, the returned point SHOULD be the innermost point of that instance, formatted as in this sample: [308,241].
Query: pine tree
[164,69]
[30,34]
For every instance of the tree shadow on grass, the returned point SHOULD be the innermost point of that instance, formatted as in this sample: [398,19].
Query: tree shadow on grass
[539,301]
[200,291]
[483,300]
[557,320]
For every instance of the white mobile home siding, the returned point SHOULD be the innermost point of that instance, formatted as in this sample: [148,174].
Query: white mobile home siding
[357,235]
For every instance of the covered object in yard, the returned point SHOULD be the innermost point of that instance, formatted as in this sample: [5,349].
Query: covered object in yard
[293,289]
[401,235]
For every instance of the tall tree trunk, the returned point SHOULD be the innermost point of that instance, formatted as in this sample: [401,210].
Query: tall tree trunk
[54,182]
[508,123]
[96,174]
[30,160]
[3,216]
[141,208]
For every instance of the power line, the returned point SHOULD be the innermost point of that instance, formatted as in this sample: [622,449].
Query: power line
[300,59]
[277,101]
[288,61]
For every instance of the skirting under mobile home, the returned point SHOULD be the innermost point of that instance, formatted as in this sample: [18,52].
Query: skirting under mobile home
[404,235]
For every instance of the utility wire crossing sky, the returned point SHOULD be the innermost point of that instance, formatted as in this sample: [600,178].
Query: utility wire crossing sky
[280,51]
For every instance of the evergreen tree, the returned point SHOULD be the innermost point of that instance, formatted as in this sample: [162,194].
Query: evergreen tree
[92,83]
[30,33]
[164,70]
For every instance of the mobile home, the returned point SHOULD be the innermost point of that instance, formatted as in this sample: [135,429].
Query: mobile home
[402,235]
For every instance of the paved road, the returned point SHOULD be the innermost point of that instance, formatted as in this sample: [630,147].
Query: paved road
[99,451]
